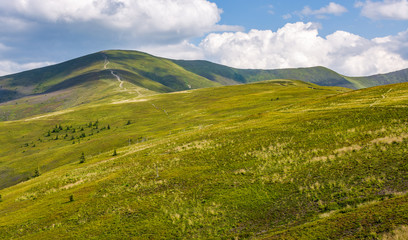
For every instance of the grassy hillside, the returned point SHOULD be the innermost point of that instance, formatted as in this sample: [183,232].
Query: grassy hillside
[318,75]
[278,159]
[137,65]
[92,78]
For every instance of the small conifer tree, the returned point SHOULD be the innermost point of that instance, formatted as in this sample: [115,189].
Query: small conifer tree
[71,198]
[114,152]
[108,126]
[37,172]
[82,158]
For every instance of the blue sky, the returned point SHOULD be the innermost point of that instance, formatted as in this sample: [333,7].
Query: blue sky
[352,37]
[269,14]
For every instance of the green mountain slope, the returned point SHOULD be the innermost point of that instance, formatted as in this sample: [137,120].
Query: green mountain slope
[137,65]
[318,75]
[275,159]
[381,79]
[92,78]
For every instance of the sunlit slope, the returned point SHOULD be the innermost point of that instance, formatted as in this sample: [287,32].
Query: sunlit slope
[318,75]
[92,79]
[277,159]
[366,194]
[26,145]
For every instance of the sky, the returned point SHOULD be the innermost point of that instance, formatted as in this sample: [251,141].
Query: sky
[352,37]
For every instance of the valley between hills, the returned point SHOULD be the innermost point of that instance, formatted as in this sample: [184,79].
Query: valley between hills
[125,145]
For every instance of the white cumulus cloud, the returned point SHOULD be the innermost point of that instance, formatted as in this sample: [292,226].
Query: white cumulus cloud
[331,9]
[386,9]
[299,45]
[167,18]
[183,50]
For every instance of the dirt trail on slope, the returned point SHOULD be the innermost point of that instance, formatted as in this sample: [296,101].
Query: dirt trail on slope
[160,109]
[106,62]
[383,97]
[118,78]
[105,66]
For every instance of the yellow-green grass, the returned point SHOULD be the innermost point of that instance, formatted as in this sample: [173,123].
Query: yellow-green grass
[276,159]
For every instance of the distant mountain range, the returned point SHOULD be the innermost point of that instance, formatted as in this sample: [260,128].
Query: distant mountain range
[166,75]
[318,75]
[93,78]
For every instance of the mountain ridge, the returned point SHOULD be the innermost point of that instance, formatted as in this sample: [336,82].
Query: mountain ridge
[117,75]
[319,74]
[41,80]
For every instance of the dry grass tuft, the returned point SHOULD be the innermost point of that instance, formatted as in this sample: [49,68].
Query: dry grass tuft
[391,139]
[348,149]
[205,144]
[400,233]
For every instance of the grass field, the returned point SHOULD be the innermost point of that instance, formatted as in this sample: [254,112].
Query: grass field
[280,159]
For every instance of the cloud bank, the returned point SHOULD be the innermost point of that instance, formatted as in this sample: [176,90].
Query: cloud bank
[47,28]
[44,29]
[299,45]
[168,19]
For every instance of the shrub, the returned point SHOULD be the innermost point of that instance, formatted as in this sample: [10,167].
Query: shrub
[36,172]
